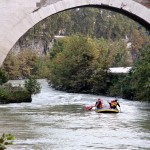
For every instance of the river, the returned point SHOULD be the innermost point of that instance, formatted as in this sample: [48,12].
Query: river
[57,121]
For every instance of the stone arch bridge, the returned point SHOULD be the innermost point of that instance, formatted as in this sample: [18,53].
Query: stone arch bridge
[18,16]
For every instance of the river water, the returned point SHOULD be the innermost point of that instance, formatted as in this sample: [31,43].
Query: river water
[57,121]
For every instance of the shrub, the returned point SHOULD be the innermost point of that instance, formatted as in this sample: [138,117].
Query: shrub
[6,139]
[10,94]
[32,86]
[3,77]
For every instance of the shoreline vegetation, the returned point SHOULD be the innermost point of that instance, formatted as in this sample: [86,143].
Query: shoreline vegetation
[85,70]
[19,94]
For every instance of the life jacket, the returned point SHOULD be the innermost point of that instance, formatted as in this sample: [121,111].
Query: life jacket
[99,104]
[113,103]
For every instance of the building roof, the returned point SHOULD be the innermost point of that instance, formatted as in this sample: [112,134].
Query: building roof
[120,69]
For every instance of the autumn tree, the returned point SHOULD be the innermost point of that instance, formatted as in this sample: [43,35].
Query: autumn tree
[80,64]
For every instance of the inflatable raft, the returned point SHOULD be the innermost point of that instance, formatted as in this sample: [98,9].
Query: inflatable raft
[107,110]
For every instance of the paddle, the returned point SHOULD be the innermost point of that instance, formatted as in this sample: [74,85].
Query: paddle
[88,108]
[119,108]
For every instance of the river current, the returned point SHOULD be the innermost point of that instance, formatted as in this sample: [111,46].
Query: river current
[56,120]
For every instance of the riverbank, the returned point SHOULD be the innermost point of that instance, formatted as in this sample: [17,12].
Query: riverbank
[18,93]
[10,94]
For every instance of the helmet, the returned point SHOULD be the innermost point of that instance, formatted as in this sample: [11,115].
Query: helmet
[99,100]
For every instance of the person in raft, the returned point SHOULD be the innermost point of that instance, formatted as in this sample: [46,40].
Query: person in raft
[99,104]
[113,104]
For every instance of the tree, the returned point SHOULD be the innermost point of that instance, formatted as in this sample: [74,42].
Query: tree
[136,85]
[141,75]
[32,86]
[80,63]
[11,66]
[77,66]
[27,60]
[3,77]
[26,63]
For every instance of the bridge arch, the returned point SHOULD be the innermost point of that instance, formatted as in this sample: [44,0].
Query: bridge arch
[46,8]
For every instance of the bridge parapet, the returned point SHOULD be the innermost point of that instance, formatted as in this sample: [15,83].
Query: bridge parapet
[43,3]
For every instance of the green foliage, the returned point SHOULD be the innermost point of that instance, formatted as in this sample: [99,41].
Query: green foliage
[80,64]
[120,86]
[6,139]
[41,67]
[141,75]
[71,68]
[10,94]
[11,66]
[135,85]
[25,64]
[32,86]
[58,47]
[3,77]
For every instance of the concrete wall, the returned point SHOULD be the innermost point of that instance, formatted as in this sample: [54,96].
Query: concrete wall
[18,16]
